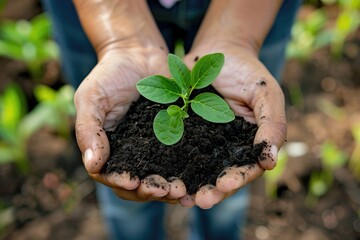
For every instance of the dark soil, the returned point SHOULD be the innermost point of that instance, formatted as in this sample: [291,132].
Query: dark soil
[201,155]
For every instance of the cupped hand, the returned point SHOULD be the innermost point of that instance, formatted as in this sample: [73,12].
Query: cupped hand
[252,93]
[101,101]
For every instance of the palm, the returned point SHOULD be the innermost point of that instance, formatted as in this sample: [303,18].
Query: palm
[252,93]
[101,101]
[112,84]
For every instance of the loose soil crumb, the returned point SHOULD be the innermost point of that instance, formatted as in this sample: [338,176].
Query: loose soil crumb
[205,150]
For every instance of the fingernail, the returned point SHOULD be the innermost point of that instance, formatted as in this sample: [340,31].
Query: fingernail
[88,156]
[274,152]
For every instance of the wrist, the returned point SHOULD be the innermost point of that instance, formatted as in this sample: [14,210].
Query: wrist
[118,24]
[224,44]
[239,22]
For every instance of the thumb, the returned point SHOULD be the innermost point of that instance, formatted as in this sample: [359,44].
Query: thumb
[90,135]
[270,117]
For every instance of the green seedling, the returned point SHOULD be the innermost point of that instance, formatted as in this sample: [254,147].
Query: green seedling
[17,125]
[332,158]
[314,32]
[13,109]
[354,162]
[169,124]
[54,110]
[272,177]
[28,42]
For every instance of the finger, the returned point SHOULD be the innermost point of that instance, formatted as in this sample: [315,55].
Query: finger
[177,189]
[234,178]
[101,105]
[133,196]
[116,180]
[127,195]
[208,196]
[90,135]
[269,111]
[187,201]
[153,187]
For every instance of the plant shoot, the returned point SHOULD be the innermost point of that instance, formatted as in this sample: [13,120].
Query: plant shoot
[169,124]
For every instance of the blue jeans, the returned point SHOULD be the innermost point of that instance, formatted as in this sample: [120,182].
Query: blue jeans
[131,220]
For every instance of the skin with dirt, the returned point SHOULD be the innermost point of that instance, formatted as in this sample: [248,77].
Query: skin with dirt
[205,150]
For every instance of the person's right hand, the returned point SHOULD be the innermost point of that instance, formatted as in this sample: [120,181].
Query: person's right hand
[101,100]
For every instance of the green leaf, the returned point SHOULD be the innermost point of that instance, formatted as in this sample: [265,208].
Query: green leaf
[175,111]
[44,93]
[212,108]
[332,157]
[320,182]
[41,28]
[168,129]
[179,71]
[44,114]
[65,100]
[159,89]
[7,154]
[12,106]
[206,70]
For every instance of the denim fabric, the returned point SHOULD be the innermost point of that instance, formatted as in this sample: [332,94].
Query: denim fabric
[272,53]
[131,220]
[127,220]
[77,55]
[224,221]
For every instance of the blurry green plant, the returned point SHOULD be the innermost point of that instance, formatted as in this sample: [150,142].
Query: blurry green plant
[330,109]
[16,125]
[272,177]
[313,33]
[13,108]
[347,22]
[308,35]
[29,42]
[354,163]
[53,110]
[2,5]
[321,180]
[6,217]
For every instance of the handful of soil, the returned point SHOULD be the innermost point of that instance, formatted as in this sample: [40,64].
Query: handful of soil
[205,150]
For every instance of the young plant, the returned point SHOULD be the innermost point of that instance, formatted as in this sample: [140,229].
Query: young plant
[29,42]
[321,180]
[13,108]
[17,125]
[169,124]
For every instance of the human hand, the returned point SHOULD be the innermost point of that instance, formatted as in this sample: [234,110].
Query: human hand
[101,100]
[253,93]
[129,47]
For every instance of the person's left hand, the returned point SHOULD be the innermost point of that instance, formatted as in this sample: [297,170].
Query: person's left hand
[252,93]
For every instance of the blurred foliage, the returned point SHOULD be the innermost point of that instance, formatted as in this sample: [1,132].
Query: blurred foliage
[17,125]
[330,109]
[13,108]
[2,5]
[314,32]
[29,42]
[354,163]
[322,179]
[53,110]
[6,217]
[272,177]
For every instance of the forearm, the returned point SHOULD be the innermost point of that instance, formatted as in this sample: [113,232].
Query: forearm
[118,24]
[242,22]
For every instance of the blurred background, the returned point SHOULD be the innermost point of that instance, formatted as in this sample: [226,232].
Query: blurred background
[314,193]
